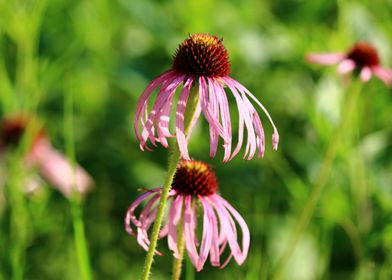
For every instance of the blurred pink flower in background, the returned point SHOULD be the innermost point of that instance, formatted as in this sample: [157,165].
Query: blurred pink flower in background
[362,57]
[194,187]
[52,165]
[201,60]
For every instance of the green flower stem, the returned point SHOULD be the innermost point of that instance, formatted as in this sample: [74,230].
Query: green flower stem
[173,161]
[75,199]
[19,214]
[80,240]
[177,263]
[19,223]
[321,178]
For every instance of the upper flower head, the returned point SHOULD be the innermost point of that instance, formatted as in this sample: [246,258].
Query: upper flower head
[201,62]
[362,57]
[194,187]
[51,164]
[202,55]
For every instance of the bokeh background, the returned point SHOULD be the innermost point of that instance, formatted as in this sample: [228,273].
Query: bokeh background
[105,52]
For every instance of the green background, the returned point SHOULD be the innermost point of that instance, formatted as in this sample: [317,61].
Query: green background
[105,53]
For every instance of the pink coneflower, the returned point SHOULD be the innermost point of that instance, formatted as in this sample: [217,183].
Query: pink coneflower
[194,187]
[201,60]
[362,57]
[51,164]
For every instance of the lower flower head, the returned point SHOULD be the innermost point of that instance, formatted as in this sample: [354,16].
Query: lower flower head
[201,63]
[194,189]
[362,58]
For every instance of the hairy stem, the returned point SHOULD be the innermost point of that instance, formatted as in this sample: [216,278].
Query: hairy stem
[321,178]
[172,166]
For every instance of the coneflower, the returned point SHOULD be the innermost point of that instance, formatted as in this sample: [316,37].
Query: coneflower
[362,57]
[202,62]
[194,189]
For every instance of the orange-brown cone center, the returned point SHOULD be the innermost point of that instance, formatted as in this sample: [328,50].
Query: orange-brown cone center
[202,55]
[364,54]
[195,178]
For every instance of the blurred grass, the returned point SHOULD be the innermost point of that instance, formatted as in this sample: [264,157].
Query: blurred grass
[108,51]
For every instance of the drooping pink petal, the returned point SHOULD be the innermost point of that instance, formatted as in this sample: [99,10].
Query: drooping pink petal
[130,217]
[260,141]
[162,120]
[275,141]
[207,233]
[214,108]
[174,218]
[244,112]
[146,222]
[383,74]
[141,108]
[244,228]
[58,171]
[180,118]
[243,89]
[347,65]
[255,144]
[165,229]
[189,231]
[223,208]
[225,116]
[147,125]
[253,135]
[325,58]
[366,74]
[146,218]
[227,232]
[164,95]
[205,107]
[214,252]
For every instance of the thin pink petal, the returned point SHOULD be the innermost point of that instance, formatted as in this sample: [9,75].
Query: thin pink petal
[130,217]
[174,218]
[325,58]
[260,134]
[223,208]
[180,115]
[243,89]
[383,74]
[225,116]
[163,118]
[205,107]
[366,74]
[227,231]
[189,231]
[214,252]
[244,228]
[164,95]
[244,116]
[346,66]
[141,107]
[207,234]
[213,105]
[275,141]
